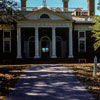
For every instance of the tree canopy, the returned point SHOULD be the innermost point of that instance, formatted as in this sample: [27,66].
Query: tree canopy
[9,10]
[96,30]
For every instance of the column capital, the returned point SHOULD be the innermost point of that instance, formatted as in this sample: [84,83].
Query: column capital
[53,28]
[36,28]
[70,28]
[18,27]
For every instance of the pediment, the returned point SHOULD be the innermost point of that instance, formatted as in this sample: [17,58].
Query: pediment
[35,15]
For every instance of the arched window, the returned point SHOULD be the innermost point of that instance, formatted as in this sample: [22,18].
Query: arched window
[44,16]
[32,38]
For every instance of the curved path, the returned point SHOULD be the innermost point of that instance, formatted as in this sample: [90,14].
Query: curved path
[48,82]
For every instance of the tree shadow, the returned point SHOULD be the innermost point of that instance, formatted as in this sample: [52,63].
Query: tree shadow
[8,76]
[48,82]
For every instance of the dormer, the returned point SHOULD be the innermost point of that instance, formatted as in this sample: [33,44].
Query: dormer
[78,11]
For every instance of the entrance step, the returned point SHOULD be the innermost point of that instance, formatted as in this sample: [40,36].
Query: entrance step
[38,61]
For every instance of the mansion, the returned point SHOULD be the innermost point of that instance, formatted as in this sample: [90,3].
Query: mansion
[49,33]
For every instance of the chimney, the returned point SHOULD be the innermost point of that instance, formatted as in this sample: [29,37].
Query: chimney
[23,5]
[65,5]
[91,7]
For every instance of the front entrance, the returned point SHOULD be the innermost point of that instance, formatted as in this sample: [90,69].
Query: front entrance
[45,47]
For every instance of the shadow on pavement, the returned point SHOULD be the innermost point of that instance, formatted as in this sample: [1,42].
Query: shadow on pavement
[48,82]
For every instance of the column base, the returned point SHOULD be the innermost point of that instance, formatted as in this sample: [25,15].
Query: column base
[70,56]
[53,56]
[36,57]
[19,57]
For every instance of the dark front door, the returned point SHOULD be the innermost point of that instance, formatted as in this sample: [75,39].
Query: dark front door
[31,47]
[58,47]
[45,47]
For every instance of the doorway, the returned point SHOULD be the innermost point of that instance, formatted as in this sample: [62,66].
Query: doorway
[45,47]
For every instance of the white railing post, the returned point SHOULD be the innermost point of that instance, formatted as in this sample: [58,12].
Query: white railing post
[95,66]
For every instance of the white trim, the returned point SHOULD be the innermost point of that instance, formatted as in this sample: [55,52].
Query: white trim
[6,39]
[70,43]
[36,43]
[79,33]
[43,14]
[79,45]
[4,46]
[82,27]
[19,49]
[81,39]
[53,43]
[47,24]
[31,37]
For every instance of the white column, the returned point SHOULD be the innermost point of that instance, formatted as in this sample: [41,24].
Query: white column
[53,43]
[19,55]
[70,43]
[36,43]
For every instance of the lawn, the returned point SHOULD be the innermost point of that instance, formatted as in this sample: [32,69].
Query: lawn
[84,73]
[9,74]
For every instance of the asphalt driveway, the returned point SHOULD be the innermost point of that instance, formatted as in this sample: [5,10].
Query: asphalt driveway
[48,82]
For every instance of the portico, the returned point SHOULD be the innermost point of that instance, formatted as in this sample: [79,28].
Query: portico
[37,42]
[57,30]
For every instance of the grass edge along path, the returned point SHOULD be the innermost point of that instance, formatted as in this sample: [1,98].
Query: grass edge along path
[9,74]
[84,73]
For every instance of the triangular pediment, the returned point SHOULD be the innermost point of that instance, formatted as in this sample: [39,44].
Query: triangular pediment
[35,15]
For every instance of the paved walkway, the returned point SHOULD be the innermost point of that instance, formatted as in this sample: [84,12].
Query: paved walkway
[48,82]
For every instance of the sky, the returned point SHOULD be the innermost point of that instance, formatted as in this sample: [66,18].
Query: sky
[58,3]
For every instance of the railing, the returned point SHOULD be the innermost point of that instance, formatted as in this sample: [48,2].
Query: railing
[82,19]
[51,8]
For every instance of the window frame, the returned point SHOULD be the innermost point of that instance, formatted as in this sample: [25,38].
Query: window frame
[9,46]
[78,13]
[6,39]
[6,31]
[44,18]
[81,39]
[79,34]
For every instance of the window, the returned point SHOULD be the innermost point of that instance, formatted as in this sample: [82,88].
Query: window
[6,41]
[78,13]
[7,34]
[44,16]
[7,46]
[82,46]
[82,41]
[81,34]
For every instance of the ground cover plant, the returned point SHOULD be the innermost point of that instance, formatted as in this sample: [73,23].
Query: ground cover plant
[9,74]
[84,73]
